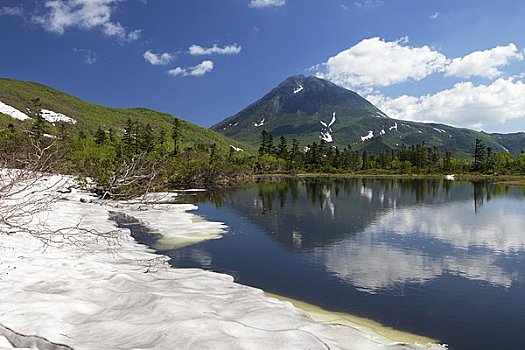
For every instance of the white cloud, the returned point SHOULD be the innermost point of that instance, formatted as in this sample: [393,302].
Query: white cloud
[434,16]
[11,11]
[196,71]
[369,3]
[197,50]
[158,59]
[90,57]
[376,62]
[484,63]
[60,15]
[266,3]
[463,105]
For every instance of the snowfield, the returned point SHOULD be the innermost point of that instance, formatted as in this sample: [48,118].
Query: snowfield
[259,124]
[369,136]
[86,291]
[54,117]
[12,112]
[47,114]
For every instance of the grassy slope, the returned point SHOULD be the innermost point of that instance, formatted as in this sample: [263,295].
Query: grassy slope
[89,116]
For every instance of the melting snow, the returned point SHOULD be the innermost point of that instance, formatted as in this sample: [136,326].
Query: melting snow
[368,137]
[298,89]
[54,117]
[236,149]
[326,131]
[47,114]
[12,112]
[382,132]
[227,126]
[393,127]
[261,123]
[440,130]
[93,295]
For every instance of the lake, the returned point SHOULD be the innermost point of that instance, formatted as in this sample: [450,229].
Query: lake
[438,258]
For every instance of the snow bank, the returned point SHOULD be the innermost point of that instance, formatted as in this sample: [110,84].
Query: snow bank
[12,112]
[259,124]
[369,136]
[298,89]
[236,149]
[91,292]
[47,114]
[54,117]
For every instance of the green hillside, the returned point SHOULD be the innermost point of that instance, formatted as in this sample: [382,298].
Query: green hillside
[90,117]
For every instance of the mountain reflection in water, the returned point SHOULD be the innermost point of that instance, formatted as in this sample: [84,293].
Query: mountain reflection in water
[440,258]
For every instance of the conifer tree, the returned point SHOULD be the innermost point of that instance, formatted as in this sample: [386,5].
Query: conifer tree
[130,137]
[39,123]
[282,148]
[146,139]
[100,136]
[479,156]
[175,135]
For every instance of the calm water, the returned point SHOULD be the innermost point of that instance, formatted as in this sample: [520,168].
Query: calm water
[433,257]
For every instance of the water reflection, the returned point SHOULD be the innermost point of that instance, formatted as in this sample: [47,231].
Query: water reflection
[381,234]
[372,266]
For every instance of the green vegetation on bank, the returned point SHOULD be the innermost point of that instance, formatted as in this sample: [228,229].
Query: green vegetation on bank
[320,157]
[140,157]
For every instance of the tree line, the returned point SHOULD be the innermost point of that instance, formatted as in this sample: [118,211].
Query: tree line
[321,157]
[142,157]
[122,162]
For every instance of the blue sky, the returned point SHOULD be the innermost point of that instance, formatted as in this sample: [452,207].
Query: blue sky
[457,62]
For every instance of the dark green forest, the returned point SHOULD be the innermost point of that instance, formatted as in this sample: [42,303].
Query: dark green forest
[281,155]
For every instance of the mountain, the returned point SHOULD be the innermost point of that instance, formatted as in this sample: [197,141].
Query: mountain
[311,109]
[16,96]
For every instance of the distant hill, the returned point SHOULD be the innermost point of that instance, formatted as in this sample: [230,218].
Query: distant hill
[81,115]
[310,109]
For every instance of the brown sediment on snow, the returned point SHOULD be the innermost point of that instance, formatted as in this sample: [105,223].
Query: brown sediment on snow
[373,328]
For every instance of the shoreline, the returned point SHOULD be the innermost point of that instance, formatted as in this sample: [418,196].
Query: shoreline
[96,291]
[368,326]
[506,180]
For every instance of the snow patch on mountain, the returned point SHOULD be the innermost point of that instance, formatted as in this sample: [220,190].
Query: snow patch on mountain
[382,132]
[298,89]
[47,114]
[440,130]
[326,130]
[12,112]
[261,123]
[393,127]
[236,149]
[230,125]
[54,117]
[368,137]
